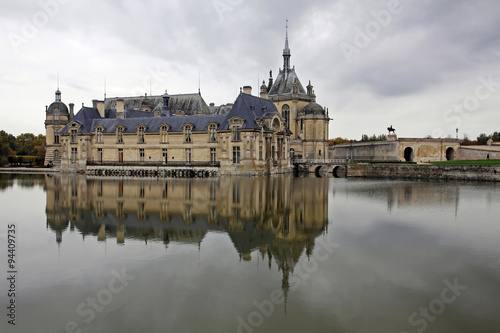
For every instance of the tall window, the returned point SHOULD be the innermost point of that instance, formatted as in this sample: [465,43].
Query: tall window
[163,134]
[236,133]
[213,155]
[99,134]
[212,133]
[119,134]
[120,155]
[188,155]
[99,155]
[56,154]
[56,136]
[187,133]
[74,152]
[285,112]
[141,134]
[260,152]
[236,155]
[73,136]
[165,155]
[56,115]
[141,155]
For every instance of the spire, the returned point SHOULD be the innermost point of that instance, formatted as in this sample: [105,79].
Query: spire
[58,92]
[286,52]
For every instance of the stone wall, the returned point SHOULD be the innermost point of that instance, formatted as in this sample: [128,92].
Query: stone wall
[369,151]
[475,173]
[478,153]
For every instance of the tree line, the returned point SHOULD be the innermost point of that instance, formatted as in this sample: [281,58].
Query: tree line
[24,149]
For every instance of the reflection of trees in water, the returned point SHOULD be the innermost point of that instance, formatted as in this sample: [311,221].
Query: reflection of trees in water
[277,217]
[23,180]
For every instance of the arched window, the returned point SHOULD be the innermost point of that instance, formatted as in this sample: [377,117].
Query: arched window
[285,112]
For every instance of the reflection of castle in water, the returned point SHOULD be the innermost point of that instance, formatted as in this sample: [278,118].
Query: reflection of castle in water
[279,216]
[402,193]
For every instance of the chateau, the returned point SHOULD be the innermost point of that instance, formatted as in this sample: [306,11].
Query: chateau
[254,135]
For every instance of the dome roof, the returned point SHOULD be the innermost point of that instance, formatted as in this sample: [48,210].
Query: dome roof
[63,109]
[314,108]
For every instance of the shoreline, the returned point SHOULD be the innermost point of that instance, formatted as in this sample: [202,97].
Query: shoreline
[431,172]
[24,170]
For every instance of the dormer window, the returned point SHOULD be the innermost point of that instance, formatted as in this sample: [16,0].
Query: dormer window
[187,133]
[73,134]
[99,134]
[119,134]
[141,130]
[236,133]
[163,134]
[212,133]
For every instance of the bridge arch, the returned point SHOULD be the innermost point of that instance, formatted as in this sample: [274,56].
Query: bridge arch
[408,154]
[317,170]
[337,171]
[450,154]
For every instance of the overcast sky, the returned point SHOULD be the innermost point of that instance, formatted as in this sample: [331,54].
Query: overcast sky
[425,67]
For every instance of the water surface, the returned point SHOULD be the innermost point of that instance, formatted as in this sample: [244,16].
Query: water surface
[262,254]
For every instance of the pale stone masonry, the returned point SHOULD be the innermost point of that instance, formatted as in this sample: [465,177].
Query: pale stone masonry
[253,135]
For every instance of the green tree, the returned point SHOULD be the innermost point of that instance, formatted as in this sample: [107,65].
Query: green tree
[482,139]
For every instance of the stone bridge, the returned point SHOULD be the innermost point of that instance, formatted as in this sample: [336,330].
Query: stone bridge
[336,167]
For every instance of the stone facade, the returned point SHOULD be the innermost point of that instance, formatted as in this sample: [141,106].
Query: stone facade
[399,150]
[253,135]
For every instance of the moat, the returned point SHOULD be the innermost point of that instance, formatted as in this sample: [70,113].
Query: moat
[251,254]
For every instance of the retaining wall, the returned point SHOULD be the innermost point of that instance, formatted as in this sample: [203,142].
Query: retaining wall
[475,173]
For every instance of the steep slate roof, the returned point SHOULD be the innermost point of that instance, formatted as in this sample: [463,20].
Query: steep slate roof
[84,117]
[284,83]
[190,104]
[175,123]
[250,108]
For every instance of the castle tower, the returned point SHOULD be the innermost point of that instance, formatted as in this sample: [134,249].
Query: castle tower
[57,116]
[307,120]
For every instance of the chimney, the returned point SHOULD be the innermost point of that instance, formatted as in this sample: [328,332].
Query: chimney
[212,104]
[71,110]
[263,90]
[100,108]
[94,103]
[120,109]
[247,90]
